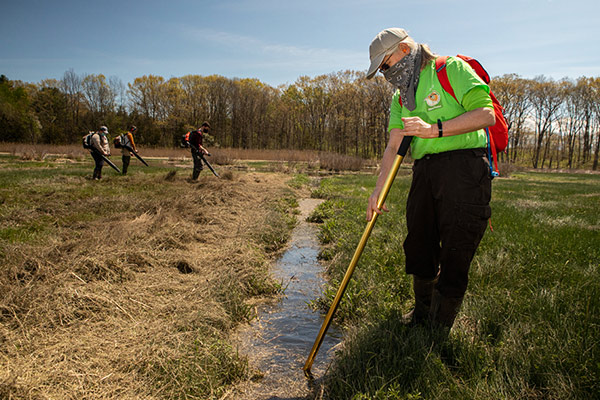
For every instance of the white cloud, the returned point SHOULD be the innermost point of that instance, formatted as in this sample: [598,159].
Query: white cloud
[260,53]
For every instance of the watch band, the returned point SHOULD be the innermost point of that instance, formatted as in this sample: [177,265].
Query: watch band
[440,130]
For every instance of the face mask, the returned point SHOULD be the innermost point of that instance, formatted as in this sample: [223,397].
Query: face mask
[405,76]
[400,73]
[205,130]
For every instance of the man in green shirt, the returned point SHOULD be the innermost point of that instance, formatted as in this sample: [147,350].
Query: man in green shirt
[448,203]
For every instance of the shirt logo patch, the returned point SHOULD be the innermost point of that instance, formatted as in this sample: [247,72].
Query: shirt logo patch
[433,99]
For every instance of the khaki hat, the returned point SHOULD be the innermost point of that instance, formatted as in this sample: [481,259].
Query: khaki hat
[385,41]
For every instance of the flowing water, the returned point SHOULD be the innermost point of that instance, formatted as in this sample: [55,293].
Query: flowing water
[279,340]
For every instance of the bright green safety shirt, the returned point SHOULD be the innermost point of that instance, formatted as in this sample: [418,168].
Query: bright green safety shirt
[434,103]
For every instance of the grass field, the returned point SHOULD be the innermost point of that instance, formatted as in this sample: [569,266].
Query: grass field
[530,324]
[130,287]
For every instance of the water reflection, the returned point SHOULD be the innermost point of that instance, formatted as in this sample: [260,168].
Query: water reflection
[284,332]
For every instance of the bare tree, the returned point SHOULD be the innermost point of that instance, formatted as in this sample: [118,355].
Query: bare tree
[571,119]
[194,98]
[218,92]
[512,92]
[249,105]
[594,127]
[71,86]
[377,94]
[145,96]
[546,97]
[98,95]
[119,90]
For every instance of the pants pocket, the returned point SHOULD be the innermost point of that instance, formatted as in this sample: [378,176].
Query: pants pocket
[470,225]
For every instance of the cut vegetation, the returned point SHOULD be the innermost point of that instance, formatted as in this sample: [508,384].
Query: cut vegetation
[129,287]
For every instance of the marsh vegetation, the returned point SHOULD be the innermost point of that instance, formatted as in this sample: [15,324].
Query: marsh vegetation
[529,327]
[132,287]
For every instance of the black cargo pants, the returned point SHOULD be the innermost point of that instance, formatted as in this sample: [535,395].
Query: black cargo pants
[447,213]
[198,163]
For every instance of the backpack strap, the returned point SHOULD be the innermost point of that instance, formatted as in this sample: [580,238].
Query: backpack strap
[492,154]
[477,67]
[442,74]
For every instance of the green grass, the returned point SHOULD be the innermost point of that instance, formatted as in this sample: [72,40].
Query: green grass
[299,180]
[39,197]
[530,324]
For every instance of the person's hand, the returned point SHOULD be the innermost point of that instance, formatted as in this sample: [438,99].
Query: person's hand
[372,206]
[415,126]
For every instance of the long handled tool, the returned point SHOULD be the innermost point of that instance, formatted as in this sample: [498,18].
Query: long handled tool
[107,160]
[135,154]
[361,245]
[208,165]
[204,159]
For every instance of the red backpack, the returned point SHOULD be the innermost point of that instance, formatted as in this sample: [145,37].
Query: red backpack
[497,134]
[185,140]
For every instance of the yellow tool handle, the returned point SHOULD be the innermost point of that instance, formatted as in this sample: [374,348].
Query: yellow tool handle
[361,245]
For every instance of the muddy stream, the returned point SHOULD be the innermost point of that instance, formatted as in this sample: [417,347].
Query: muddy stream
[279,340]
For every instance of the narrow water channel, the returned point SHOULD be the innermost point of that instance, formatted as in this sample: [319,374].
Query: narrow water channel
[279,340]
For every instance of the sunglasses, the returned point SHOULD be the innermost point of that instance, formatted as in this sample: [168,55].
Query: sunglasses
[384,67]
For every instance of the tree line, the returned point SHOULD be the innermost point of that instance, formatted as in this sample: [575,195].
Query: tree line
[554,124]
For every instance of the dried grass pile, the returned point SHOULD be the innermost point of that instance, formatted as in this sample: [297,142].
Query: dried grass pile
[137,302]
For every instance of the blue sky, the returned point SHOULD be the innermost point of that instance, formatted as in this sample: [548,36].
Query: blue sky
[277,41]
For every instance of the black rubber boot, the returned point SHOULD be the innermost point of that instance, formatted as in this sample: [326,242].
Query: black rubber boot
[423,291]
[444,310]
